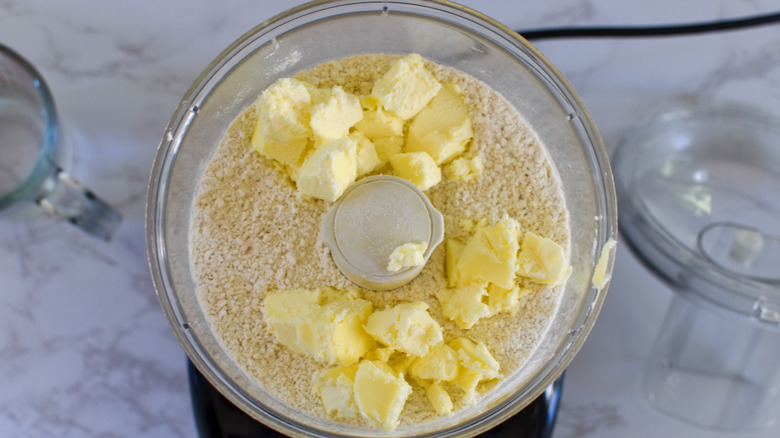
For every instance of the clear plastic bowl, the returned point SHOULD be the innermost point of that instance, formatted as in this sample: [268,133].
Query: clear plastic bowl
[441,32]
[698,187]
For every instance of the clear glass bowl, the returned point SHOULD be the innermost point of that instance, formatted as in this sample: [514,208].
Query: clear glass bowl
[441,32]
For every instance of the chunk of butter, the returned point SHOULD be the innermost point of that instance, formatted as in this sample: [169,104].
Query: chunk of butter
[407,255]
[490,255]
[541,259]
[477,364]
[333,112]
[387,147]
[440,364]
[443,127]
[380,394]
[600,277]
[377,122]
[405,327]
[453,250]
[366,157]
[329,169]
[335,388]
[505,300]
[282,131]
[330,332]
[464,304]
[406,87]
[416,167]
[464,168]
[281,311]
[439,398]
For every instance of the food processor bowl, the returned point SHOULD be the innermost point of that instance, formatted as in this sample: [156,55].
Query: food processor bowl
[447,34]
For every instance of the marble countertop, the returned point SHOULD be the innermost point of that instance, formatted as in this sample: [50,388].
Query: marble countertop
[85,349]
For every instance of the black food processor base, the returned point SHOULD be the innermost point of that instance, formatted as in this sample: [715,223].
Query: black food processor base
[217,417]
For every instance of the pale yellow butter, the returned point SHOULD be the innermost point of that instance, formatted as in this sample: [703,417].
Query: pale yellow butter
[405,327]
[439,398]
[387,147]
[440,364]
[283,110]
[380,394]
[464,168]
[416,167]
[282,131]
[453,250]
[366,157]
[477,364]
[541,259]
[504,299]
[407,255]
[333,112]
[335,388]
[443,127]
[329,169]
[376,122]
[490,255]
[330,332]
[406,87]
[281,311]
[464,304]
[333,333]
[600,277]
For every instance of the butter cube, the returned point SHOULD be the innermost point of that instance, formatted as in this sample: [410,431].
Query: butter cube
[418,168]
[475,356]
[283,110]
[439,364]
[453,250]
[281,310]
[407,255]
[490,255]
[387,147]
[330,333]
[406,87]
[464,168]
[288,152]
[333,112]
[477,364]
[541,259]
[504,300]
[333,333]
[439,398]
[282,131]
[335,388]
[464,304]
[379,393]
[366,157]
[405,327]
[443,127]
[471,225]
[377,122]
[329,169]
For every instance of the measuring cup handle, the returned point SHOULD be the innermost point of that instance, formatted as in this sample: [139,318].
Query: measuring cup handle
[67,199]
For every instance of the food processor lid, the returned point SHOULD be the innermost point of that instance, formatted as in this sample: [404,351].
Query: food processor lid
[698,197]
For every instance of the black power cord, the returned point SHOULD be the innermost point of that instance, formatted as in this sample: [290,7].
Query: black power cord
[650,31]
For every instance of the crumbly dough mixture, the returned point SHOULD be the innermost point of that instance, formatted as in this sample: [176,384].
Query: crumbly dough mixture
[252,233]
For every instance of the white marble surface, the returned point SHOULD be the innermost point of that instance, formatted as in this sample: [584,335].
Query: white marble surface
[86,351]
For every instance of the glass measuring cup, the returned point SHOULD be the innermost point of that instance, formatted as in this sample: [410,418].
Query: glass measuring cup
[30,146]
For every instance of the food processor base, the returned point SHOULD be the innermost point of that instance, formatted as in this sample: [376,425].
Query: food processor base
[217,417]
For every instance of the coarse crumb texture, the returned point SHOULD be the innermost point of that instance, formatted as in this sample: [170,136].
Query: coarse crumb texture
[253,233]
